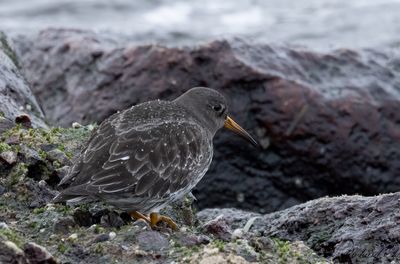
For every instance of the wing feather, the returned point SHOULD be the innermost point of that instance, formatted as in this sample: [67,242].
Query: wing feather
[147,162]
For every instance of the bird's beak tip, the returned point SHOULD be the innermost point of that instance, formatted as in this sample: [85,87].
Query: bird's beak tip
[236,128]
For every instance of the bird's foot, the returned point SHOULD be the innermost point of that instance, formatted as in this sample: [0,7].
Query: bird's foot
[156,218]
[139,216]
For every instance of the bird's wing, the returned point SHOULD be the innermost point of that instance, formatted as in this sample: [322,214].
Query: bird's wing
[150,160]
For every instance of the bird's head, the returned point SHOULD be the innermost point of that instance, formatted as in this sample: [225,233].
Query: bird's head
[210,108]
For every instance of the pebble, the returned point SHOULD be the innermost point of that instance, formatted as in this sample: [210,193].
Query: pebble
[42,183]
[9,156]
[3,225]
[76,125]
[112,235]
[237,233]
[73,237]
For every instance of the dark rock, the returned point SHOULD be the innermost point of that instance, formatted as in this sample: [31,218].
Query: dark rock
[219,228]
[112,219]
[17,103]
[62,172]
[24,120]
[101,238]
[40,194]
[83,217]
[329,119]
[58,155]
[349,229]
[152,241]
[188,239]
[11,253]
[63,225]
[2,189]
[37,254]
[31,155]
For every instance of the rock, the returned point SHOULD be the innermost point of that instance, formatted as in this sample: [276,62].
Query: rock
[17,103]
[348,229]
[111,219]
[219,228]
[58,155]
[243,249]
[83,217]
[11,253]
[152,241]
[62,172]
[213,256]
[101,238]
[9,156]
[189,240]
[37,254]
[328,118]
[63,225]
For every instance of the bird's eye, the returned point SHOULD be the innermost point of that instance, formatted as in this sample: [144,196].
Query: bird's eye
[218,107]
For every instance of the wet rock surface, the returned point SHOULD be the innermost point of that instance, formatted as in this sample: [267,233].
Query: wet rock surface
[348,229]
[17,103]
[328,122]
[33,230]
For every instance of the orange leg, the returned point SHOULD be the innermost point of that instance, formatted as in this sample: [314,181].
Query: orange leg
[155,218]
[138,216]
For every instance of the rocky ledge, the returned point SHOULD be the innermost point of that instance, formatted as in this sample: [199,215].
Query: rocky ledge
[32,230]
[346,229]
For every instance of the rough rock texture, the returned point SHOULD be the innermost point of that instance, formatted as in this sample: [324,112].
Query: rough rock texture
[32,230]
[17,103]
[348,229]
[331,121]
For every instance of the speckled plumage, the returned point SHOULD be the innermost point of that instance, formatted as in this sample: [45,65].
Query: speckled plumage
[146,156]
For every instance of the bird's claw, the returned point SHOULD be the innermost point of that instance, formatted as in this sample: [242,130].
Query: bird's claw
[154,219]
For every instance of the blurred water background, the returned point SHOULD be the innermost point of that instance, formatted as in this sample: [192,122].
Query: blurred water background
[318,24]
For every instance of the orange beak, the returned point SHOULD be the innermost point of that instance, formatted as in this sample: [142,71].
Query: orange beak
[233,126]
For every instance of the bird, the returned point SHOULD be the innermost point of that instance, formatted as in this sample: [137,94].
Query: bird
[152,154]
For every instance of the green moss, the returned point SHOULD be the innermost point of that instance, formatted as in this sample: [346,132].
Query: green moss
[4,147]
[2,115]
[12,236]
[62,248]
[42,154]
[61,147]
[39,210]
[283,250]
[63,209]
[186,252]
[7,49]
[98,248]
[17,173]
[219,244]
[33,225]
